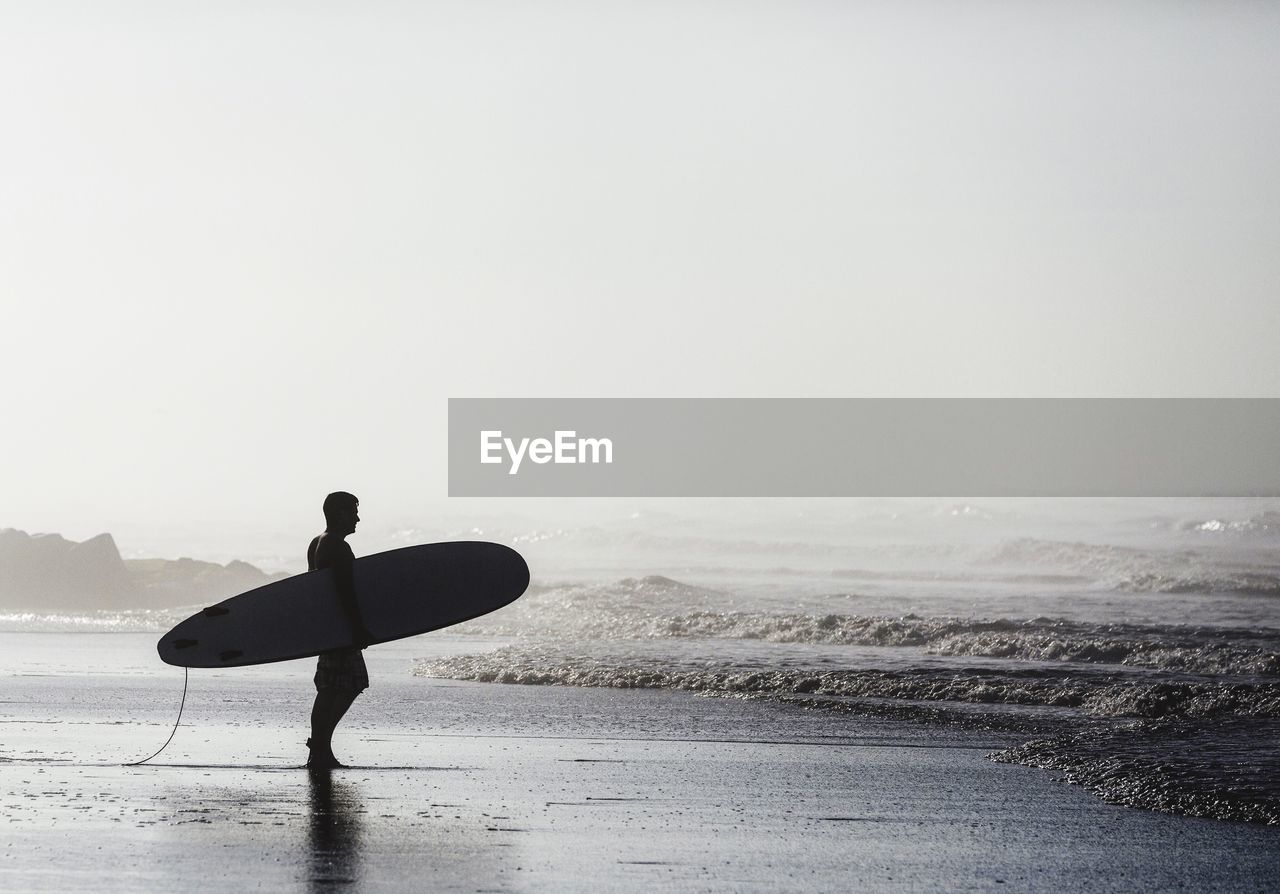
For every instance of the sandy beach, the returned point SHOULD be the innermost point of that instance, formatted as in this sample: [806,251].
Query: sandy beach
[478,787]
[882,399]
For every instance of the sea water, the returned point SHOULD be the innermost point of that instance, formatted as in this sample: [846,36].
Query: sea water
[1129,646]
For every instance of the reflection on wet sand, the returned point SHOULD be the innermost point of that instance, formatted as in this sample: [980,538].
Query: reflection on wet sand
[335,831]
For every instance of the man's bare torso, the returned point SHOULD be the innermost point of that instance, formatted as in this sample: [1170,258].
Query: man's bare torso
[328,551]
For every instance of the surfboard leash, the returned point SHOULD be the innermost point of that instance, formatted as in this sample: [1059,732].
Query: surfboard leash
[186,675]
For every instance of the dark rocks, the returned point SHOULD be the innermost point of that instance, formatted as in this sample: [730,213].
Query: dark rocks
[48,573]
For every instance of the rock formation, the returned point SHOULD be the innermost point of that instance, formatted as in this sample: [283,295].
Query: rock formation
[48,573]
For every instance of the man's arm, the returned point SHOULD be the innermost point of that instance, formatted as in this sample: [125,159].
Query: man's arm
[344,576]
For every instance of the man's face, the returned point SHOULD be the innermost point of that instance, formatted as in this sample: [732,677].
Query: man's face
[351,518]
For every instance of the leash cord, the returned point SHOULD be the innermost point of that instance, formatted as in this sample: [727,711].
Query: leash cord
[186,674]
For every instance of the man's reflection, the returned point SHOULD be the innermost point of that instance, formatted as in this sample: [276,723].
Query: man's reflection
[335,831]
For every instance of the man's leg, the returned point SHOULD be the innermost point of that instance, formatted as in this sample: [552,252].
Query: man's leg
[342,700]
[321,731]
[330,706]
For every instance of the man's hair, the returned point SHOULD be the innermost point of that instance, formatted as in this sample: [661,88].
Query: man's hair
[337,502]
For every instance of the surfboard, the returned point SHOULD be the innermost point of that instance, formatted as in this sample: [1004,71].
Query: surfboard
[401,592]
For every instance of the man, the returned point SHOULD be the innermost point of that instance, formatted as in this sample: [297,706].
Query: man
[340,674]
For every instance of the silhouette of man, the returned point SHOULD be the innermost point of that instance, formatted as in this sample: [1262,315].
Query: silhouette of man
[340,674]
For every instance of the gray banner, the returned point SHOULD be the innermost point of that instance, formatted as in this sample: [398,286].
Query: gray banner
[821,447]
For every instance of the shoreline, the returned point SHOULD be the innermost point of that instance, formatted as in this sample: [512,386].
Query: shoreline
[472,786]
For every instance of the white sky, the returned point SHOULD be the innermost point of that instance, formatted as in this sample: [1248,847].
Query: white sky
[247,250]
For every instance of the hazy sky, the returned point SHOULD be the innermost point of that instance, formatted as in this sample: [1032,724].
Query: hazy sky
[249,249]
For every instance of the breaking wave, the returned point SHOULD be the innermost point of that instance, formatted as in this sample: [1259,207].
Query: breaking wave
[649,608]
[1094,693]
[138,621]
[1131,710]
[1136,570]
[1263,524]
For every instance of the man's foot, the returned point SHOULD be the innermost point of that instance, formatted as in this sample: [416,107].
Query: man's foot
[325,762]
[323,759]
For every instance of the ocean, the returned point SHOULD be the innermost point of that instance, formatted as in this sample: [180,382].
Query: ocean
[1130,647]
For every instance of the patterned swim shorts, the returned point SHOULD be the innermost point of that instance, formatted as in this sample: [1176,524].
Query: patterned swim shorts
[342,669]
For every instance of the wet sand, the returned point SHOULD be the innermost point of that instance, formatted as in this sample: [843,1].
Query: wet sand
[474,787]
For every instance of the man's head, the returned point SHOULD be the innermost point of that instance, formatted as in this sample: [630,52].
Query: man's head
[341,512]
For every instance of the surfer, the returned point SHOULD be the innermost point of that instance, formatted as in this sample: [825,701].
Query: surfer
[341,674]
